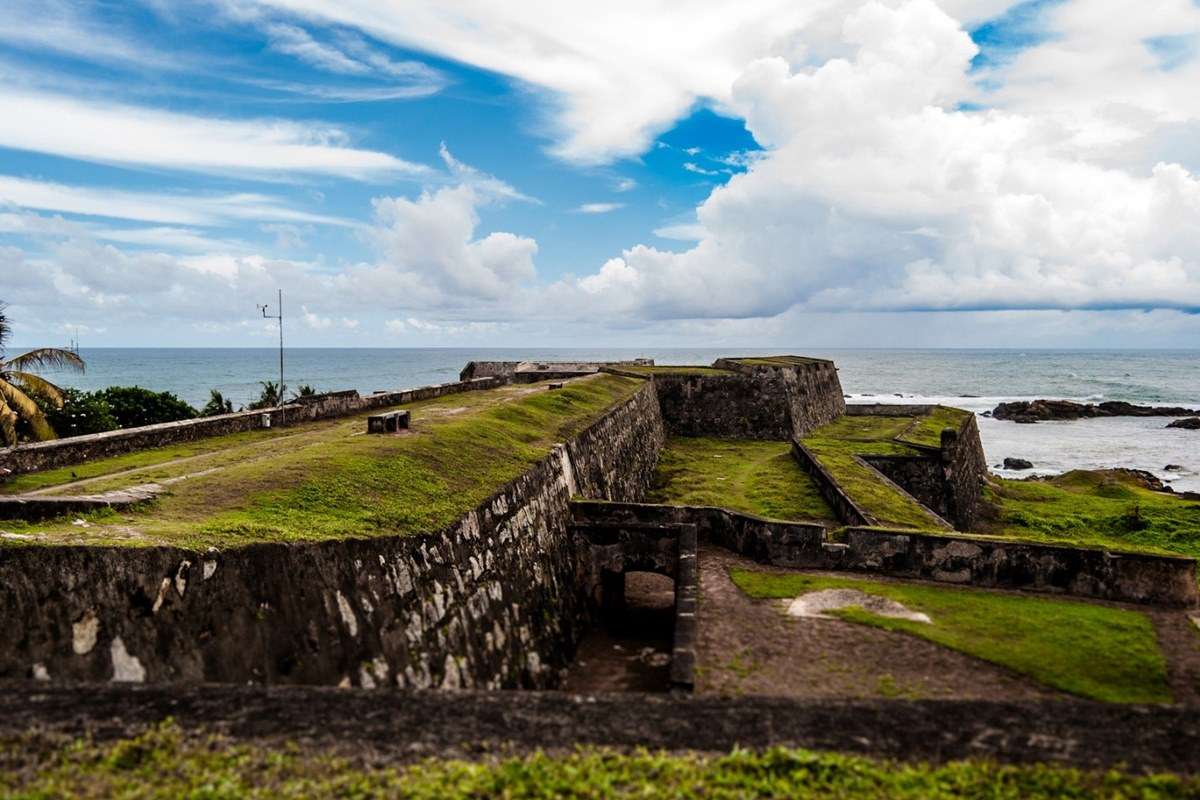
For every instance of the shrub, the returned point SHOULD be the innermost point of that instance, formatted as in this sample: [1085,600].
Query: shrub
[134,406]
[269,397]
[81,412]
[216,405]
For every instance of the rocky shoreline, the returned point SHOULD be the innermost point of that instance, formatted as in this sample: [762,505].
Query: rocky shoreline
[1030,411]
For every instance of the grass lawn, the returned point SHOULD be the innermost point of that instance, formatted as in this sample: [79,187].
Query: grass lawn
[837,444]
[1104,508]
[164,763]
[677,369]
[1093,651]
[329,480]
[753,476]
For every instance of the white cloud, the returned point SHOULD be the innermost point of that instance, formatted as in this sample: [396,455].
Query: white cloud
[699,170]
[314,321]
[296,41]
[875,193]
[598,208]
[625,185]
[132,135]
[178,209]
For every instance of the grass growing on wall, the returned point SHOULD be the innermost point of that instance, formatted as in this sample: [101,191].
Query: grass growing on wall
[166,763]
[332,481]
[926,430]
[677,369]
[758,477]
[1093,651]
[1104,508]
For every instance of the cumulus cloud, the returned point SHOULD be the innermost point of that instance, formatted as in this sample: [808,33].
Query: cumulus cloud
[874,192]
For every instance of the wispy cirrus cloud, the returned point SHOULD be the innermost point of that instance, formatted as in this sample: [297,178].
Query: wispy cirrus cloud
[154,207]
[113,133]
[598,208]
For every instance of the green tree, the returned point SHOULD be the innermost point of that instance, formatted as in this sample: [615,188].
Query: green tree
[216,405]
[133,406]
[269,397]
[304,391]
[18,382]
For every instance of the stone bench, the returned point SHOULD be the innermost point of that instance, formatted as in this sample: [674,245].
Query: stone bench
[388,422]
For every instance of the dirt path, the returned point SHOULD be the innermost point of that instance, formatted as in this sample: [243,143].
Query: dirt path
[1179,639]
[752,647]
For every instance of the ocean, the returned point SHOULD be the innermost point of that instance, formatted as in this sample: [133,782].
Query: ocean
[973,379]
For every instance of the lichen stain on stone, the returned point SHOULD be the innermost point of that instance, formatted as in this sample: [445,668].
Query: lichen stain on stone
[163,589]
[347,614]
[209,569]
[126,667]
[181,574]
[40,673]
[84,633]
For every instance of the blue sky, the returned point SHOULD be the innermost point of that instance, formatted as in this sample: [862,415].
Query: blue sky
[427,174]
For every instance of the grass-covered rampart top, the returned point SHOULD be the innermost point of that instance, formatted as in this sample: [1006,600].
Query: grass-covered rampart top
[1090,650]
[1105,508]
[779,361]
[742,475]
[840,444]
[329,479]
[167,763]
[677,369]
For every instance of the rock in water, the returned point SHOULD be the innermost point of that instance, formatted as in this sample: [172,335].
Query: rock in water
[1017,463]
[1039,410]
[1187,423]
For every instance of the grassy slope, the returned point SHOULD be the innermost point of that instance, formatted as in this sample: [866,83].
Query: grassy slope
[836,444]
[332,482]
[756,477]
[1094,651]
[1100,508]
[163,763]
[677,369]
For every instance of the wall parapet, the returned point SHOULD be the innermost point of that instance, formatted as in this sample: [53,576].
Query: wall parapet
[957,558]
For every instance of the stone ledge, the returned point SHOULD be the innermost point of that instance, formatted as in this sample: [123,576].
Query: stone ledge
[403,726]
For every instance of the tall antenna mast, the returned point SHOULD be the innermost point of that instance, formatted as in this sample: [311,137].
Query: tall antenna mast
[279,317]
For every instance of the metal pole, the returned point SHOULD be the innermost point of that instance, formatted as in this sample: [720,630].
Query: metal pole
[281,347]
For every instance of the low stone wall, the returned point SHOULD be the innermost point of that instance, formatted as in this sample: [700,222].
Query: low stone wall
[844,507]
[398,727]
[960,559]
[490,602]
[810,387]
[39,507]
[987,562]
[39,456]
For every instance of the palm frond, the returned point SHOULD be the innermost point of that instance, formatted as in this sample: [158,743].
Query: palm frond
[28,410]
[8,423]
[45,358]
[5,329]
[37,385]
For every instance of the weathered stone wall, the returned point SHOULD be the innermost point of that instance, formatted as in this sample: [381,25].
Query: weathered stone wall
[490,602]
[966,470]
[990,562]
[811,387]
[962,559]
[38,456]
[752,401]
[844,507]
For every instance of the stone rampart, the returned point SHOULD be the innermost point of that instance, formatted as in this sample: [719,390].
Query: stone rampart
[490,602]
[38,456]
[751,400]
[964,559]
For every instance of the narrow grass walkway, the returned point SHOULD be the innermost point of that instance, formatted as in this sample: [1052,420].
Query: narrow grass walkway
[756,477]
[1104,508]
[332,481]
[164,763]
[1093,651]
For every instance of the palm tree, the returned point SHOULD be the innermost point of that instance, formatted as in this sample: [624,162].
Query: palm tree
[17,382]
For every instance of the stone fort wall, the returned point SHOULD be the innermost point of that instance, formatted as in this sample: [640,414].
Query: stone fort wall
[491,602]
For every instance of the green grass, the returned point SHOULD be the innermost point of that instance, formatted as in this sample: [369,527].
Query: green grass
[926,430]
[778,361]
[837,444]
[328,480]
[677,369]
[1102,508]
[1093,651]
[165,763]
[753,476]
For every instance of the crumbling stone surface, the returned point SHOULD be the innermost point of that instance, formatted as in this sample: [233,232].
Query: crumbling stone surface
[491,602]
[401,726]
[38,507]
